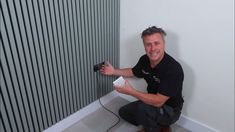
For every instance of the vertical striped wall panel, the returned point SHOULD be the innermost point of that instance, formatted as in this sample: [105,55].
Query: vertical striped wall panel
[48,49]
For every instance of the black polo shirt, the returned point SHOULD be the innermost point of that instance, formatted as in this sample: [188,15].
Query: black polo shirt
[166,78]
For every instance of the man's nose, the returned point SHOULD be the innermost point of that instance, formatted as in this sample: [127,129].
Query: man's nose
[152,47]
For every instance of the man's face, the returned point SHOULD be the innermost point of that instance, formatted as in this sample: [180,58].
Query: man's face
[154,47]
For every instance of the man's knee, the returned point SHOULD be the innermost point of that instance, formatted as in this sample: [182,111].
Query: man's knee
[121,112]
[128,113]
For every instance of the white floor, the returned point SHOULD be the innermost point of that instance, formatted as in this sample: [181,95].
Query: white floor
[101,120]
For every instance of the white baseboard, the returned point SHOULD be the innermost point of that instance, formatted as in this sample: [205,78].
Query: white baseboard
[193,125]
[184,121]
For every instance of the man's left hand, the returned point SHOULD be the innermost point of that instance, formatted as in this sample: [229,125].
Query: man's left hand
[126,89]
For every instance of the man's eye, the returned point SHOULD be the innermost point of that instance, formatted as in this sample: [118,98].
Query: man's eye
[148,44]
[156,43]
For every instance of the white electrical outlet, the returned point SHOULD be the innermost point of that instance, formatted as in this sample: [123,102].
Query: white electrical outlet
[119,82]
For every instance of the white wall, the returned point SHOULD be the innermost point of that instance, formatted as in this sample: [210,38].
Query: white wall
[201,38]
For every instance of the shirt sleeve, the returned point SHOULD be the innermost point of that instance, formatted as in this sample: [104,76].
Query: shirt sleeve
[172,82]
[137,69]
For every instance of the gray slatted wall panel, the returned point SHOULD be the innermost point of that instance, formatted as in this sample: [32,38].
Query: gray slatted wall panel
[48,49]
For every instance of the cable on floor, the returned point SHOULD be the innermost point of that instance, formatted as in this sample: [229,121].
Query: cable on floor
[105,107]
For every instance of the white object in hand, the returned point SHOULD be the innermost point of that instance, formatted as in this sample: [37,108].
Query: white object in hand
[119,82]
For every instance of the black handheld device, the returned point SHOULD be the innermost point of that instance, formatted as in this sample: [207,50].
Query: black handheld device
[98,66]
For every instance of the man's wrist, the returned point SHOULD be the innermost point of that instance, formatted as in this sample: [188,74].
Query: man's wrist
[114,72]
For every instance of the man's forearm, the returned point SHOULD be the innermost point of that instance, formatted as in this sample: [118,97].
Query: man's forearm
[127,72]
[156,100]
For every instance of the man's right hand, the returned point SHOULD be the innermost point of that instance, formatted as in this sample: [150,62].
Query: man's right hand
[107,69]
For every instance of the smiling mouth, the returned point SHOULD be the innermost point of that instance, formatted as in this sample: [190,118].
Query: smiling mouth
[153,54]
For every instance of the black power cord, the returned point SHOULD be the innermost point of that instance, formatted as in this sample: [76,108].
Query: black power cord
[105,107]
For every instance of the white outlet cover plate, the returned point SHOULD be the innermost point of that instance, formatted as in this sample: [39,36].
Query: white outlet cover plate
[119,82]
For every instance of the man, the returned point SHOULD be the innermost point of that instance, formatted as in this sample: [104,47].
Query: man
[162,105]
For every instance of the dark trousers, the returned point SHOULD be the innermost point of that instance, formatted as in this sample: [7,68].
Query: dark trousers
[150,117]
